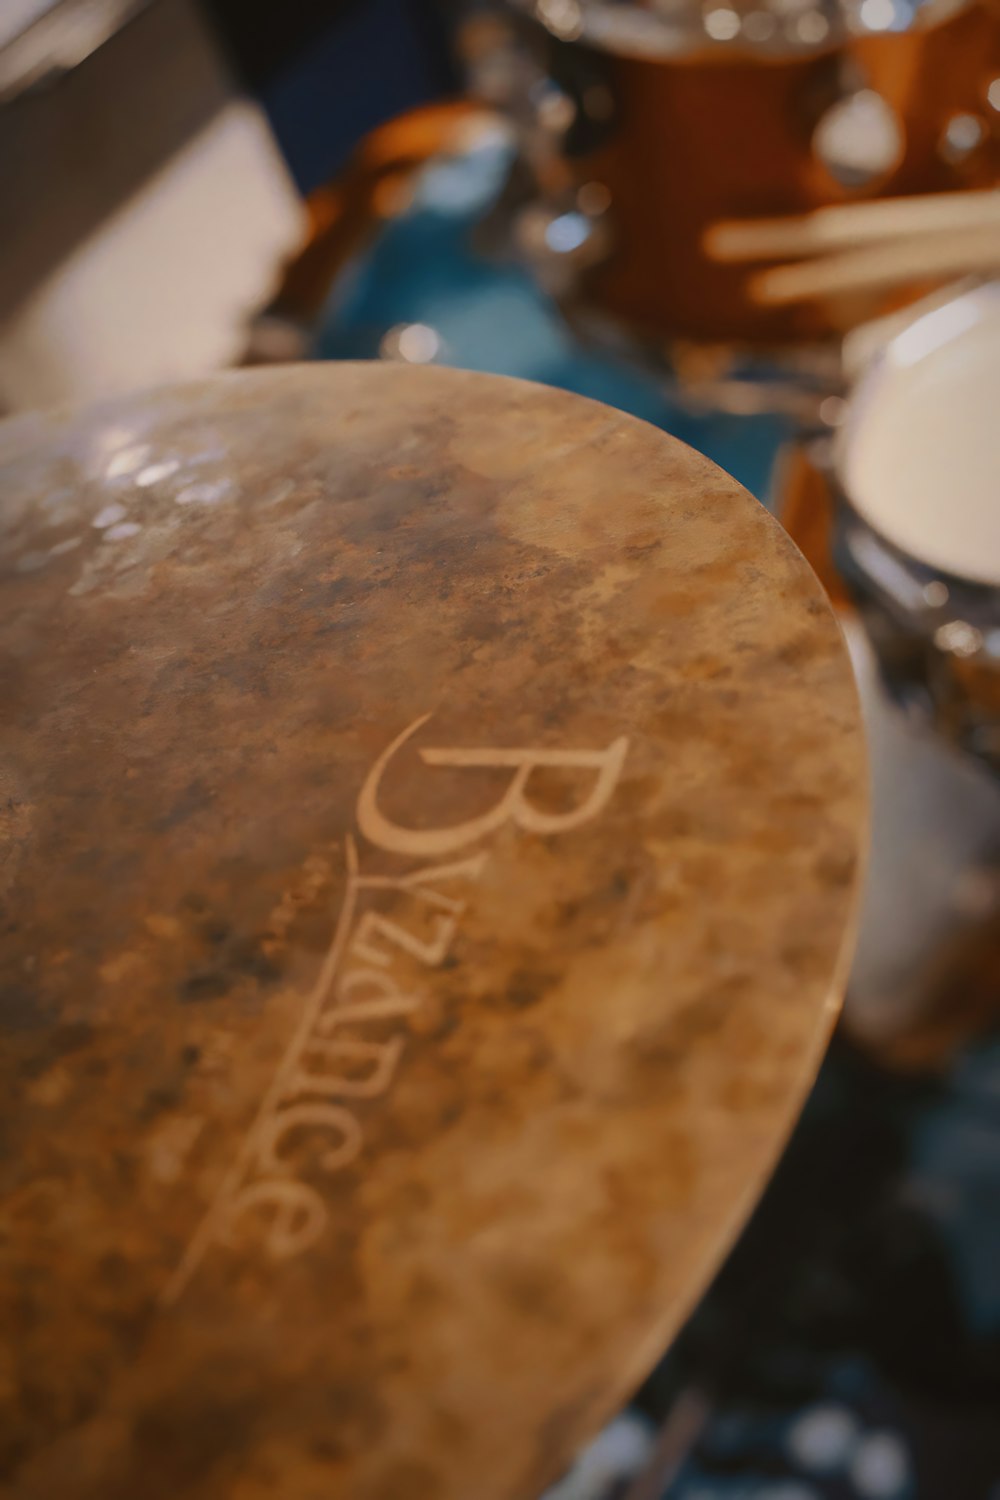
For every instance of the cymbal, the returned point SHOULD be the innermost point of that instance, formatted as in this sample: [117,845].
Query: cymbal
[432,809]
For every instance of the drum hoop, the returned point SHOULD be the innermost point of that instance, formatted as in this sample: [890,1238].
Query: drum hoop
[646,35]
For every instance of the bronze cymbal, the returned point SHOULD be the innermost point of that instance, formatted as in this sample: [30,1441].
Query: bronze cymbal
[432,807]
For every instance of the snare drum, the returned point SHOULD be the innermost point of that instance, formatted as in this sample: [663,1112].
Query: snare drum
[674,117]
[917,465]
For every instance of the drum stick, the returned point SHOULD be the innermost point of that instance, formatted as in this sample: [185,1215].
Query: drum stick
[846,224]
[925,256]
[678,1435]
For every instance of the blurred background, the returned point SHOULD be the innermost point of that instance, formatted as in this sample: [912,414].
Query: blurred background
[771,227]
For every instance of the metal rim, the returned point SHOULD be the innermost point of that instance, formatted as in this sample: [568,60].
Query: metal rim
[722,30]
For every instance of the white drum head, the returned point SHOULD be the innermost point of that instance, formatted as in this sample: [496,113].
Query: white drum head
[919,456]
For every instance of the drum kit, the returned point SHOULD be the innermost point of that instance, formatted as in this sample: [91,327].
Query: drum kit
[792,206]
[433,803]
[680,151]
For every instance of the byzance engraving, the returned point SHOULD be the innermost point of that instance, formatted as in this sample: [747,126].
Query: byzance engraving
[330,1065]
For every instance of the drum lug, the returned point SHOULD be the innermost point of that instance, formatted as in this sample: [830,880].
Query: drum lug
[859,139]
[560,242]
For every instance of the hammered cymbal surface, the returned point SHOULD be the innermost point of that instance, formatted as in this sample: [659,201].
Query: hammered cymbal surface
[431,806]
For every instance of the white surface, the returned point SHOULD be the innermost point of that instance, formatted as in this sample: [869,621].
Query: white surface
[618,1452]
[163,289]
[921,452]
[880,1468]
[823,1438]
[17,15]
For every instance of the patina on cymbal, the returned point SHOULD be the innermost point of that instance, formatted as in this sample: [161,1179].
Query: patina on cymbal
[432,806]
